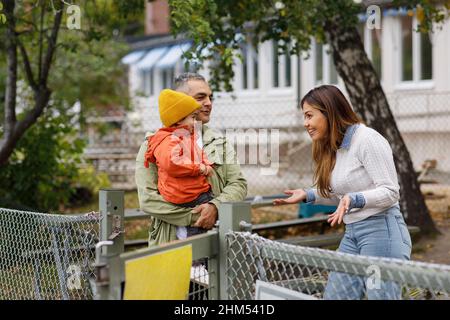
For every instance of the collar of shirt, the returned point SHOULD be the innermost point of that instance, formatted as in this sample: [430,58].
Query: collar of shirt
[348,136]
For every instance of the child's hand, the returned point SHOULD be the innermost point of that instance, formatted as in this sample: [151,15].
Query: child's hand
[203,169]
[209,170]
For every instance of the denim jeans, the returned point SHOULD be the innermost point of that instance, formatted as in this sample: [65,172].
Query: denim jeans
[382,235]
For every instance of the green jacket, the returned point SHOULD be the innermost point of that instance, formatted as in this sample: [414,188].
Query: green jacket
[226,181]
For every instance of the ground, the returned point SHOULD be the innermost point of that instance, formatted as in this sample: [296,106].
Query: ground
[436,248]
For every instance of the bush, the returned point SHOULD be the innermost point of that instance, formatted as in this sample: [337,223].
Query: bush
[88,185]
[45,170]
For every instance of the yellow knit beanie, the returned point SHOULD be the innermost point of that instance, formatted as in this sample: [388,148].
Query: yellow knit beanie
[175,106]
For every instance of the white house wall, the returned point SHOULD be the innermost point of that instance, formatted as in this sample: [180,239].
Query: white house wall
[422,110]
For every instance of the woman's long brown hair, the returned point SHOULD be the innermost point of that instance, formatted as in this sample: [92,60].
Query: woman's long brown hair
[340,115]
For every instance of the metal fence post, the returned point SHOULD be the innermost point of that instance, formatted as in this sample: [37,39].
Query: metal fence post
[231,214]
[213,271]
[110,270]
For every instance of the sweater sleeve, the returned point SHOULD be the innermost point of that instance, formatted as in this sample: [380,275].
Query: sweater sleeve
[376,156]
[313,197]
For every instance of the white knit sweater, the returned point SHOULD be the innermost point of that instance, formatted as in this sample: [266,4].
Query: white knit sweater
[364,165]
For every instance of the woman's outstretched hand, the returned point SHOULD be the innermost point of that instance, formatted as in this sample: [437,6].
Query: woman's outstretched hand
[296,196]
[338,215]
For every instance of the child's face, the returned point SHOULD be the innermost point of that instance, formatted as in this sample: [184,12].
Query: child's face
[189,120]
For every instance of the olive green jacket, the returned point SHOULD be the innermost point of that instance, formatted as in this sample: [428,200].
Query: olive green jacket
[227,182]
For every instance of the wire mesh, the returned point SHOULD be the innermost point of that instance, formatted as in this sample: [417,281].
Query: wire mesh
[326,274]
[46,256]
[249,121]
[199,284]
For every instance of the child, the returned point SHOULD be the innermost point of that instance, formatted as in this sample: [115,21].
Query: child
[182,165]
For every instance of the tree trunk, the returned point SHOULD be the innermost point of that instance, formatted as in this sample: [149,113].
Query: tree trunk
[13,129]
[11,79]
[369,101]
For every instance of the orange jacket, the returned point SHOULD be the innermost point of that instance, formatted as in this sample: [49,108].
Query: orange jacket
[178,158]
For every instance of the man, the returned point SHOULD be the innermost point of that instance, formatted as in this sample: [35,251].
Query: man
[226,180]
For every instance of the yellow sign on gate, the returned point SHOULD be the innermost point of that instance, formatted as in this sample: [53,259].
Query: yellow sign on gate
[160,276]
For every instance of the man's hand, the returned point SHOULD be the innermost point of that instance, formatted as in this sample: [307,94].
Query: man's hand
[338,215]
[208,215]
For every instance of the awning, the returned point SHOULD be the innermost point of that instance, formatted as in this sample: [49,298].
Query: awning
[133,57]
[172,56]
[151,58]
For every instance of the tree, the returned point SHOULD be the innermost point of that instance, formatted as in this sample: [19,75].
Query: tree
[214,24]
[31,39]
[40,140]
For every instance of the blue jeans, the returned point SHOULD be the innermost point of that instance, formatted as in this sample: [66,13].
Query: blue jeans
[382,235]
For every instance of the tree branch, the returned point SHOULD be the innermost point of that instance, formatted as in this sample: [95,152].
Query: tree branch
[14,130]
[27,66]
[41,35]
[11,80]
[51,48]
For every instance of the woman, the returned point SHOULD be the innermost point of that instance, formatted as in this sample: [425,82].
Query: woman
[354,170]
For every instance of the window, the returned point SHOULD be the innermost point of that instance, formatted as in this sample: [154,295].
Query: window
[407,48]
[275,64]
[426,62]
[324,69]
[244,68]
[281,67]
[375,52]
[249,71]
[167,76]
[371,39]
[147,82]
[318,55]
[415,52]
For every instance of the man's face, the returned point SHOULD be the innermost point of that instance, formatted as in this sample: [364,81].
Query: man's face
[201,92]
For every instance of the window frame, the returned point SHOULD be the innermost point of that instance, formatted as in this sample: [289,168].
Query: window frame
[416,82]
[326,65]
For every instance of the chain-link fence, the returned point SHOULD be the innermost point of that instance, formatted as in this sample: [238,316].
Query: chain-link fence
[328,274]
[254,121]
[46,256]
[199,282]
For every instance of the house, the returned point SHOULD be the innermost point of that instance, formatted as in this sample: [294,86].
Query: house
[414,71]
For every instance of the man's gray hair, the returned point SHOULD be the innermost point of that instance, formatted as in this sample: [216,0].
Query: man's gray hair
[181,80]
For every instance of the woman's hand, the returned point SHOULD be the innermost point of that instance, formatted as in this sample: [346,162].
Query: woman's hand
[338,215]
[296,196]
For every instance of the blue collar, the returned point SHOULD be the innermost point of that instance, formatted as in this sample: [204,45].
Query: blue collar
[348,136]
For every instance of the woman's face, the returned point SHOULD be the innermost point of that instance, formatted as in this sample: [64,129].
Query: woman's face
[315,122]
